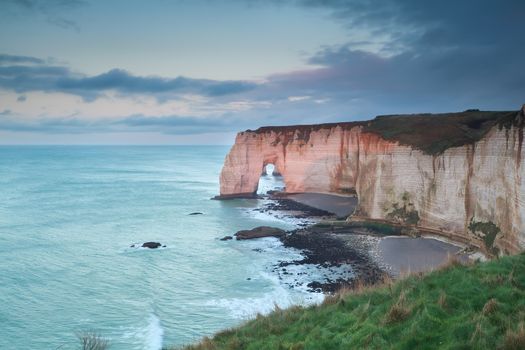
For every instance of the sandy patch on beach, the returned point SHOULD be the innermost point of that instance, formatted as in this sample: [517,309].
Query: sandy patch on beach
[406,254]
[339,205]
[396,255]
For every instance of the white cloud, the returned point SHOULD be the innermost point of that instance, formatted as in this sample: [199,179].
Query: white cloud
[298,98]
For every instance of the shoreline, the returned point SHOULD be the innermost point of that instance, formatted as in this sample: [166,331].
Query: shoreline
[367,250]
[340,205]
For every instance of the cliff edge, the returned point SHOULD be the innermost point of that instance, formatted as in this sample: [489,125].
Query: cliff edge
[455,174]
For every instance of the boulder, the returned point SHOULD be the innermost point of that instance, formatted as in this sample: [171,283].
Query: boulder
[151,245]
[259,232]
[226,238]
[196,213]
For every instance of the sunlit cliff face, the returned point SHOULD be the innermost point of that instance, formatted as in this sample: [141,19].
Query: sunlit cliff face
[474,192]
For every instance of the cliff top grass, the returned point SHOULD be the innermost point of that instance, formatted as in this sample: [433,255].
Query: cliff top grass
[480,306]
[431,133]
[435,133]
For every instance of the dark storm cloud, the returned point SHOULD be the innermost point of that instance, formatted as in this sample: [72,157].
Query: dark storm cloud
[54,11]
[435,24]
[64,23]
[359,82]
[13,59]
[437,55]
[24,78]
[419,56]
[124,82]
[46,4]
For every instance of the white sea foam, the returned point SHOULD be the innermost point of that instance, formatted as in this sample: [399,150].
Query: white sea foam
[263,216]
[272,248]
[282,290]
[148,337]
[244,308]
[298,276]
[281,296]
[154,333]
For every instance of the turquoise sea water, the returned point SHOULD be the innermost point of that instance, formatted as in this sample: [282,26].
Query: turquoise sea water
[68,216]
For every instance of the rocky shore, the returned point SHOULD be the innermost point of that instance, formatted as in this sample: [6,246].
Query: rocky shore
[362,250]
[329,251]
[324,250]
[458,174]
[278,204]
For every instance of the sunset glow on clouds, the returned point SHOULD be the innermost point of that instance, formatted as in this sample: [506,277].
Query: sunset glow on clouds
[75,71]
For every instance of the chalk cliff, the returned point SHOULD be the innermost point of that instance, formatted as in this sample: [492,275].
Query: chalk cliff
[456,174]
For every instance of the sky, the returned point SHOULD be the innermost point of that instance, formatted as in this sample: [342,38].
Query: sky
[198,71]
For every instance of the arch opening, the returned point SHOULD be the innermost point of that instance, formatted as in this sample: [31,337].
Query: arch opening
[270,180]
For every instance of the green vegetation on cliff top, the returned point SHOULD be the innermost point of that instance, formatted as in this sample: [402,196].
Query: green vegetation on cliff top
[481,306]
[435,133]
[431,133]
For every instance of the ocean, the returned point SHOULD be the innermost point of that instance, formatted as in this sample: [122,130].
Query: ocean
[68,218]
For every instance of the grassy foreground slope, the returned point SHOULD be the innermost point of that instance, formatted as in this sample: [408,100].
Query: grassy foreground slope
[481,306]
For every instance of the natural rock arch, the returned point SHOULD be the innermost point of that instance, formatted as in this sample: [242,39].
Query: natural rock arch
[454,190]
[270,180]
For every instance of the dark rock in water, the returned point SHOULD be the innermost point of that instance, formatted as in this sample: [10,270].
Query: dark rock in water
[280,203]
[164,246]
[259,232]
[226,238]
[151,245]
[236,196]
[274,193]
[248,279]
[132,246]
[315,286]
[329,286]
[196,213]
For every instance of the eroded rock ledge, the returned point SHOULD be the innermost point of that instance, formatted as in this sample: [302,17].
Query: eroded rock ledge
[456,174]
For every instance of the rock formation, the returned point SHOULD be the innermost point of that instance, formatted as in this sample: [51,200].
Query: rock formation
[259,232]
[151,245]
[456,174]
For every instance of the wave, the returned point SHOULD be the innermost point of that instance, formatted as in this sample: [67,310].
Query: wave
[288,284]
[280,296]
[148,337]
[154,334]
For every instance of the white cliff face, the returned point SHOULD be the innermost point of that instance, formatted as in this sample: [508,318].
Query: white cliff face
[320,164]
[474,193]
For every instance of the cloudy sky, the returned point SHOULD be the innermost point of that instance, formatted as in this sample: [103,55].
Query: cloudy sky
[197,71]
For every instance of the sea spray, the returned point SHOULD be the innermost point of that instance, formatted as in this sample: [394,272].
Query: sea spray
[153,334]
[280,296]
